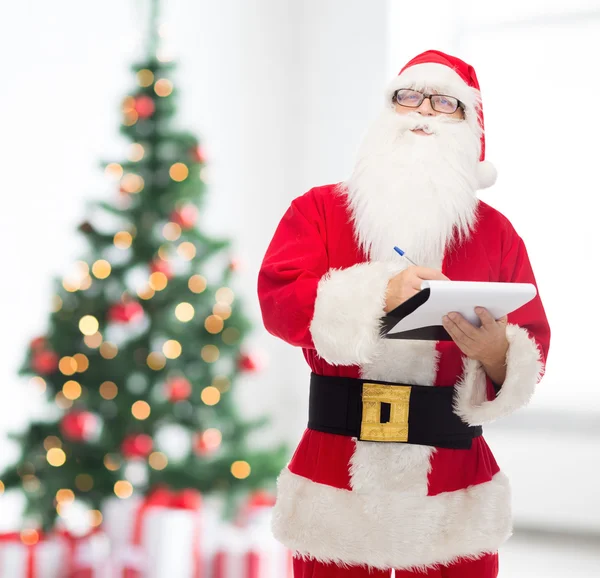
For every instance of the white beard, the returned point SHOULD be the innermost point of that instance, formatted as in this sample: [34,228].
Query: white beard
[414,191]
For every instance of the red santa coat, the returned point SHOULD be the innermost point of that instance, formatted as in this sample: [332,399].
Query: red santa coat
[392,505]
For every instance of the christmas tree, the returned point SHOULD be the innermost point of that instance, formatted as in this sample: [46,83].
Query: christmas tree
[145,341]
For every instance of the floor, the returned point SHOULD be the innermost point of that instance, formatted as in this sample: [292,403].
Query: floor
[534,555]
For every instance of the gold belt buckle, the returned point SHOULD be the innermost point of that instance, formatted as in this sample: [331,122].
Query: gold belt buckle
[371,428]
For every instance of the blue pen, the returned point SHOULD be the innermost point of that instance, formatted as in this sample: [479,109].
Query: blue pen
[403,254]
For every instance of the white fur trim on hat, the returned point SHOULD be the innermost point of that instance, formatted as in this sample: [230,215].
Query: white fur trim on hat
[486,174]
[524,369]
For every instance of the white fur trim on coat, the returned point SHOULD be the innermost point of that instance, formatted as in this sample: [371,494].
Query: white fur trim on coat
[524,368]
[348,310]
[390,529]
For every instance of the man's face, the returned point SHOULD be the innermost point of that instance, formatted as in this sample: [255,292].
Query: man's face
[425,109]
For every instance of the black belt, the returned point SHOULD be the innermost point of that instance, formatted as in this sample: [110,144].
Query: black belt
[380,411]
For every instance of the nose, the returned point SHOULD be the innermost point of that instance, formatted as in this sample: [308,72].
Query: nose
[425,108]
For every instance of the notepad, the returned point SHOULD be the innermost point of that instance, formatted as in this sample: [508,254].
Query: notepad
[420,317]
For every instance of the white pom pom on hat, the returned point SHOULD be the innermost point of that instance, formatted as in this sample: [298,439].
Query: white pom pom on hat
[435,69]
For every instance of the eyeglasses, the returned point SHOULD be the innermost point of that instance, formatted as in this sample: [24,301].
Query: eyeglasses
[439,102]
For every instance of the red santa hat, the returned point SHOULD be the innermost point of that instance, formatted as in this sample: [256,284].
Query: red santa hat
[434,70]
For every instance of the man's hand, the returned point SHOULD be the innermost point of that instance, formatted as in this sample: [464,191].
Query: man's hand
[487,344]
[408,283]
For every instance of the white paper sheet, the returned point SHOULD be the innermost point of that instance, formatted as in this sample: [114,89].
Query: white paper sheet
[463,296]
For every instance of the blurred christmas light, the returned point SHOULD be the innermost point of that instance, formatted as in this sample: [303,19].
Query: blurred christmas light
[130,118]
[95,518]
[67,365]
[113,170]
[71,390]
[146,292]
[70,286]
[222,383]
[132,183]
[1,487]
[240,470]
[171,231]
[213,324]
[128,104]
[86,283]
[224,295]
[61,509]
[61,401]
[57,304]
[84,482]
[140,410]
[158,461]
[108,350]
[56,457]
[163,87]
[158,281]
[172,349]
[112,462]
[82,361]
[136,152]
[156,361]
[93,341]
[123,489]
[210,395]
[184,312]
[39,383]
[31,483]
[210,353]
[101,269]
[222,310]
[231,336]
[179,172]
[108,390]
[145,77]
[197,284]
[52,442]
[211,439]
[88,325]
[187,250]
[30,537]
[163,30]
[163,55]
[123,240]
[67,496]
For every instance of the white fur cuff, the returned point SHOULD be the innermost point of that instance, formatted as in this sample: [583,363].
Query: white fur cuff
[524,369]
[348,310]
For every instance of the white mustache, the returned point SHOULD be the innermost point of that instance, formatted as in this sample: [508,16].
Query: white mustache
[429,125]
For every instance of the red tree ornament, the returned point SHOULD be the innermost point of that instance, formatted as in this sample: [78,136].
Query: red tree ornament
[198,154]
[79,426]
[249,362]
[144,106]
[160,266]
[125,312]
[178,389]
[204,444]
[38,344]
[185,216]
[137,446]
[44,362]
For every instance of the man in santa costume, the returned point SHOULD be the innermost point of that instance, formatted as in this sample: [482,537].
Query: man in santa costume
[393,471]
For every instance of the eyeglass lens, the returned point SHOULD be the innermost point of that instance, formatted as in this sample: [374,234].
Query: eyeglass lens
[439,102]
